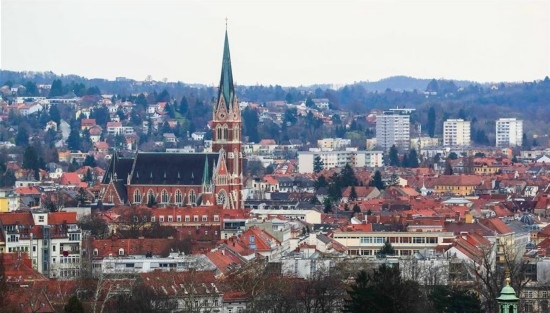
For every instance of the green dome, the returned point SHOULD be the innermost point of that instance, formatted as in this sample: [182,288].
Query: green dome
[507,293]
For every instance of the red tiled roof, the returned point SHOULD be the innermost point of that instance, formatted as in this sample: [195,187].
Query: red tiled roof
[224,259]
[496,224]
[71,178]
[27,190]
[57,218]
[24,218]
[142,246]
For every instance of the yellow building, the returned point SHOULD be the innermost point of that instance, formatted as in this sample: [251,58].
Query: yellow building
[457,185]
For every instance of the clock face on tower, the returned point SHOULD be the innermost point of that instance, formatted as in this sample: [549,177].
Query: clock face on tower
[222,115]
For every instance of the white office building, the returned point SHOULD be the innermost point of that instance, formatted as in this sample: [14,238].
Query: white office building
[393,128]
[509,132]
[456,132]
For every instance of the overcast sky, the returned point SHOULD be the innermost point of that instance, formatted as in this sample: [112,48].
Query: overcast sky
[286,42]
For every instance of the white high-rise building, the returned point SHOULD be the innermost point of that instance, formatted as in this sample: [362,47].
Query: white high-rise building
[456,132]
[393,128]
[509,132]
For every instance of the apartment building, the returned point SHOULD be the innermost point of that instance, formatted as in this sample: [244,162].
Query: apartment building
[509,132]
[456,132]
[338,158]
[52,240]
[393,128]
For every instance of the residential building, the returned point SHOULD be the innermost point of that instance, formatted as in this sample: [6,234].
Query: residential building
[393,128]
[333,143]
[509,132]
[456,132]
[339,158]
[52,240]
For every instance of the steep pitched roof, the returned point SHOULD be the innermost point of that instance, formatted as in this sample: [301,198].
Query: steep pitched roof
[226,88]
[171,168]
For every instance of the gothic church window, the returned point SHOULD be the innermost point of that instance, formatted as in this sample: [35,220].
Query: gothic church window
[179,197]
[164,196]
[137,196]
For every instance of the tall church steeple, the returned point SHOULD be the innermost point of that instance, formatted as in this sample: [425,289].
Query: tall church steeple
[227,127]
[227,90]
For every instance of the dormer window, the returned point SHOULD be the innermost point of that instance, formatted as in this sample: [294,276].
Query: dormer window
[120,251]
[95,252]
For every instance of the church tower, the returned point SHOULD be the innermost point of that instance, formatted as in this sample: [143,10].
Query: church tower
[226,137]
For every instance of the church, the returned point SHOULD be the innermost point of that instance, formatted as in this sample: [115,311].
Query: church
[186,179]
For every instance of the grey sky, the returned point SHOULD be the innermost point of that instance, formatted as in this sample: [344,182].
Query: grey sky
[287,42]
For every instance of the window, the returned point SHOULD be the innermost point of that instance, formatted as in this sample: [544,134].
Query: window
[216,218]
[178,218]
[137,196]
[161,219]
[95,252]
[164,196]
[192,197]
[153,219]
[41,218]
[187,218]
[221,197]
[205,218]
[150,197]
[195,218]
[53,248]
[179,197]
[120,251]
[170,218]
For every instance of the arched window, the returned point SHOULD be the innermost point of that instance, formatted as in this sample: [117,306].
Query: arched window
[150,196]
[222,196]
[225,133]
[164,196]
[179,197]
[236,162]
[120,251]
[192,197]
[219,132]
[137,196]
[236,134]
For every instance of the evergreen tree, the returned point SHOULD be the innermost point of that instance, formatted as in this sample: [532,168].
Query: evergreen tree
[57,89]
[184,105]
[347,177]
[22,137]
[377,181]
[449,300]
[74,305]
[318,164]
[327,204]
[405,161]
[393,155]
[30,159]
[387,249]
[356,208]
[73,142]
[431,122]
[448,168]
[320,182]
[141,100]
[413,158]
[89,161]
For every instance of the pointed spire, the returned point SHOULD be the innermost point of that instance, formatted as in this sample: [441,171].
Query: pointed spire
[226,89]
[205,178]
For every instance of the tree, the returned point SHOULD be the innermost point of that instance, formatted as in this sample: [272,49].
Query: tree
[309,102]
[327,204]
[54,114]
[57,89]
[347,177]
[318,164]
[452,156]
[356,208]
[73,142]
[89,161]
[393,155]
[446,299]
[30,158]
[184,105]
[250,123]
[95,224]
[448,168]
[377,181]
[320,182]
[387,249]
[431,122]
[383,291]
[413,158]
[22,137]
[74,305]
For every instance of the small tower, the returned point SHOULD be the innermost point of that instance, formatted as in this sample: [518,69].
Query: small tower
[507,302]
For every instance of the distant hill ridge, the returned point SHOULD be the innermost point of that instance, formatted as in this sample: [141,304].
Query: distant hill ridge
[398,83]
